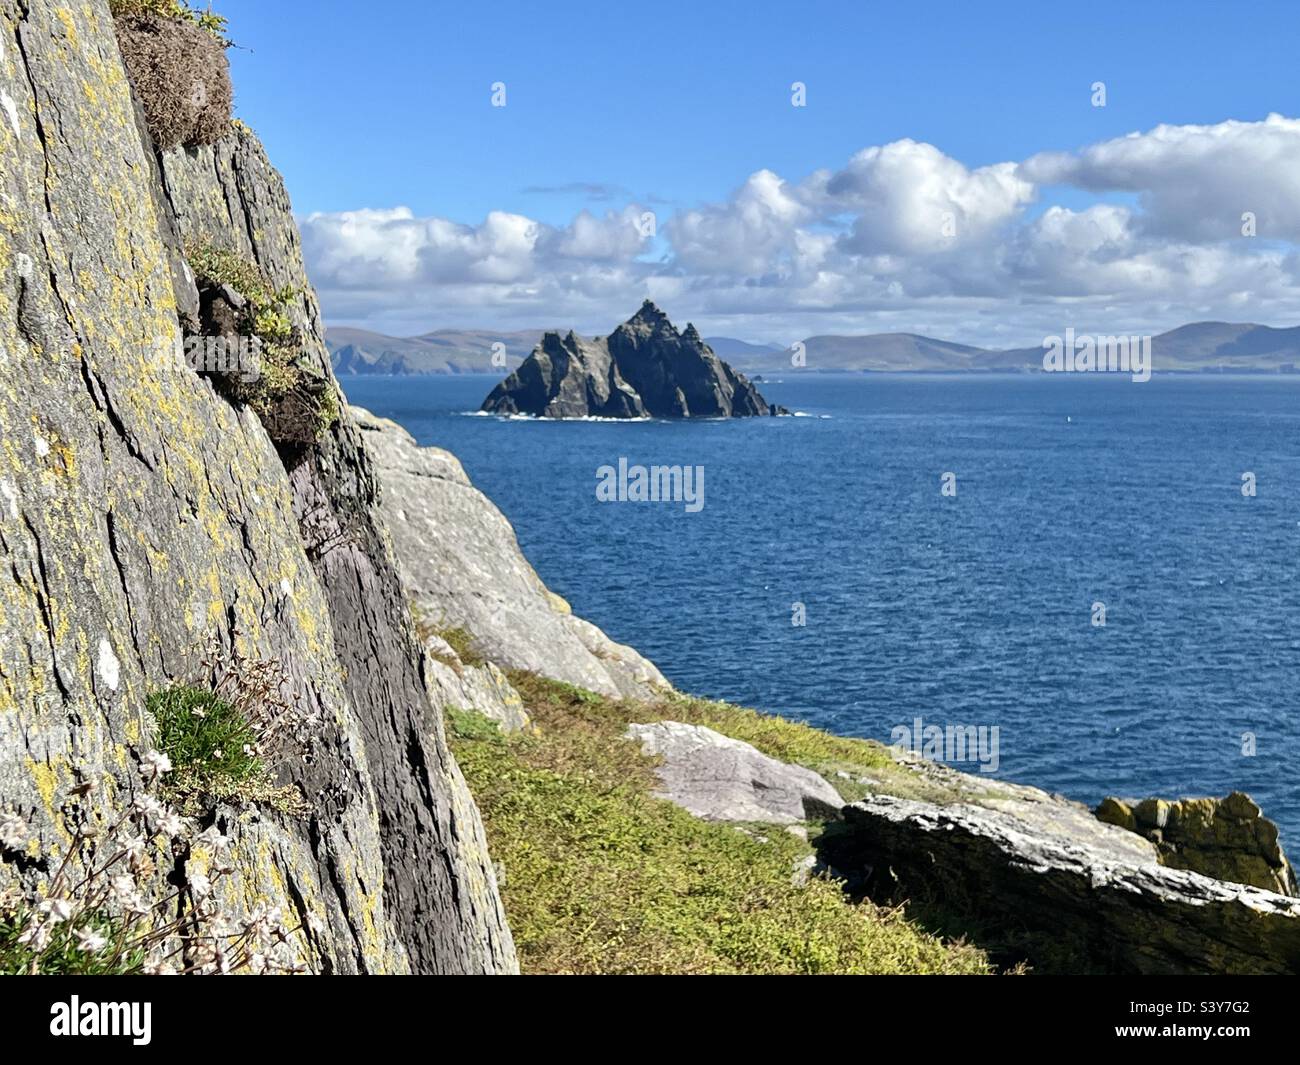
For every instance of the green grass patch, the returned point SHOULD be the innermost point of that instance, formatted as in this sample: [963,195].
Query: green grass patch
[471,726]
[63,955]
[868,764]
[601,877]
[213,750]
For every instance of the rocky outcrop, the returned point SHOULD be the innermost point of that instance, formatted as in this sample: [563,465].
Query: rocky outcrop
[721,779]
[462,567]
[142,515]
[1042,879]
[1228,838]
[484,688]
[645,368]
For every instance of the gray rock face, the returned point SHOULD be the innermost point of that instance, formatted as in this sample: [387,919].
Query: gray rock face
[484,689]
[438,878]
[462,567]
[1040,876]
[645,368]
[720,779]
[142,515]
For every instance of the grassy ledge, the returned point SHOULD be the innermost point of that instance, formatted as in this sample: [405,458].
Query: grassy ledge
[602,877]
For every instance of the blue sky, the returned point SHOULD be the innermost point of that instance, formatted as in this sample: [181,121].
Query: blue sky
[672,107]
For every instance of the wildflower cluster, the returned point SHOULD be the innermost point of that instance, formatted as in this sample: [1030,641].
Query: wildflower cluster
[138,897]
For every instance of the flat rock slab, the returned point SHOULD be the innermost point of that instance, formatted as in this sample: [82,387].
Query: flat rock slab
[720,779]
[1068,894]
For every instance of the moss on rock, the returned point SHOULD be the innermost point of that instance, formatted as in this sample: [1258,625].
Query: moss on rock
[237,300]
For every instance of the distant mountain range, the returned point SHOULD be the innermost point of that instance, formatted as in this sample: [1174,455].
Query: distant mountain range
[359,351]
[1203,346]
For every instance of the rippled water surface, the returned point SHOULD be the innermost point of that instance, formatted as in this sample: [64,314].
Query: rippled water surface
[968,610]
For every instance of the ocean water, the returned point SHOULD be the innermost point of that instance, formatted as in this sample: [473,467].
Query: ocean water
[973,609]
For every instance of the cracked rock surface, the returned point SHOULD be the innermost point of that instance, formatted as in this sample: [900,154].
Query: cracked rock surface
[141,515]
[1046,880]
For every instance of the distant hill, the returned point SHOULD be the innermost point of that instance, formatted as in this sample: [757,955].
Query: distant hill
[741,352]
[359,351]
[888,351]
[1204,346]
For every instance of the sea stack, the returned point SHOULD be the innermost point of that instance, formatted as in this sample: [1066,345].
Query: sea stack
[644,369]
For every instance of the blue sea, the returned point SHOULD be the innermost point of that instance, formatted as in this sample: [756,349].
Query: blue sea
[977,608]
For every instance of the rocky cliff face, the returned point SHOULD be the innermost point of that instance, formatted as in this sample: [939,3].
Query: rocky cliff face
[144,515]
[645,368]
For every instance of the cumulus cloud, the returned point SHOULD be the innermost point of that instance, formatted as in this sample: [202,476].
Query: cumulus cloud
[902,236]
[910,198]
[754,232]
[1194,182]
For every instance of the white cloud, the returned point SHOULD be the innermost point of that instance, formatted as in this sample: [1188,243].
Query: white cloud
[909,197]
[1194,182]
[754,232]
[901,237]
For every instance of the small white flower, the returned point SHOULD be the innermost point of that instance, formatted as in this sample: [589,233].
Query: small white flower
[134,849]
[149,806]
[158,762]
[36,936]
[123,891]
[56,910]
[200,885]
[171,824]
[218,754]
[90,941]
[13,833]
[212,837]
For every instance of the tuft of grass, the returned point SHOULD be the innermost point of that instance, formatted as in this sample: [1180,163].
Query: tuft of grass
[175,58]
[602,877]
[214,752]
[471,726]
[199,731]
[291,402]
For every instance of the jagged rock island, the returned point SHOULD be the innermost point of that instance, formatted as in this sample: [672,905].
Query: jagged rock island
[644,369]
